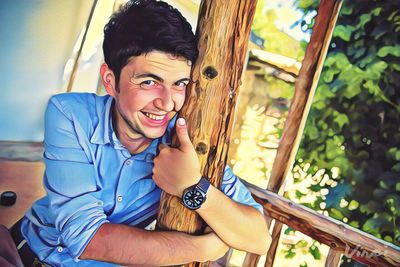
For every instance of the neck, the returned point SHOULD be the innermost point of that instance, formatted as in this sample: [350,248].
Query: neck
[131,140]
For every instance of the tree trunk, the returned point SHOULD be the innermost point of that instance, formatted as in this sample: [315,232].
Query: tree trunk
[223,31]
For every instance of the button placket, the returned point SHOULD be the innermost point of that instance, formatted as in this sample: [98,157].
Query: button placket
[120,190]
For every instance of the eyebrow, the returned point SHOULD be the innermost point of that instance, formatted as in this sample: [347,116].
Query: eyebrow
[148,75]
[157,78]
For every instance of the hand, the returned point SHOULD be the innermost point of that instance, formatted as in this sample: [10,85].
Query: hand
[215,247]
[175,169]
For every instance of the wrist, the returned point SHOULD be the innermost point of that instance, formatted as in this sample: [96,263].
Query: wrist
[194,196]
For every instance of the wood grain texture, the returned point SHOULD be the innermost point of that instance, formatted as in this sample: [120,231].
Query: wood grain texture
[333,259]
[305,86]
[223,32]
[336,234]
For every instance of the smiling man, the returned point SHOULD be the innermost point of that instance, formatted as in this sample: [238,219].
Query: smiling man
[107,159]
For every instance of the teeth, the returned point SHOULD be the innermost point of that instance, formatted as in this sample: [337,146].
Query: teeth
[154,117]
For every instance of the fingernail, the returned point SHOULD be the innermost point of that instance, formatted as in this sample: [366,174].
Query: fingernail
[181,122]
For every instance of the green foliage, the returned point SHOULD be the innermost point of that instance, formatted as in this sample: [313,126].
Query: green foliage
[275,40]
[354,121]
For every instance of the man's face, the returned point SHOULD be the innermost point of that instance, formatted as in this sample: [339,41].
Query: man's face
[151,91]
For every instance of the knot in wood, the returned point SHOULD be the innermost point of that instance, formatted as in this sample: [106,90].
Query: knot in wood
[210,72]
[201,148]
[333,245]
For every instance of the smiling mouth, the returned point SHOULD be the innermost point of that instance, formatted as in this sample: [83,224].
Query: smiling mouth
[154,116]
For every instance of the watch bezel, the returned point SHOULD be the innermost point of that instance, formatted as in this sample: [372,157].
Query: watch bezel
[194,190]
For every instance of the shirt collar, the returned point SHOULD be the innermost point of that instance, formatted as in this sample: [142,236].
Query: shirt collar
[103,131]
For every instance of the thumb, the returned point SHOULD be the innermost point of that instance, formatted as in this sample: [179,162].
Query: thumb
[182,134]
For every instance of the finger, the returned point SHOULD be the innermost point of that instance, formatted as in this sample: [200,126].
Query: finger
[182,134]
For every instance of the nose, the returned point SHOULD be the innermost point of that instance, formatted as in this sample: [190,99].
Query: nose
[165,101]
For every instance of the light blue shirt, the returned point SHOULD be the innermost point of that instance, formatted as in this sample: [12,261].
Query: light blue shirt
[91,179]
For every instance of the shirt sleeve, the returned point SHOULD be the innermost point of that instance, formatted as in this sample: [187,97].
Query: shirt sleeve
[70,181]
[237,191]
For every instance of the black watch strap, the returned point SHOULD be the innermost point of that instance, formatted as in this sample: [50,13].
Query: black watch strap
[203,184]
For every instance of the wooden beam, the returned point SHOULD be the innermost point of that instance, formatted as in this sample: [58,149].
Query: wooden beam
[343,238]
[78,54]
[305,86]
[223,30]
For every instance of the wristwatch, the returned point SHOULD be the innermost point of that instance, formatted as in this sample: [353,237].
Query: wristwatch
[194,196]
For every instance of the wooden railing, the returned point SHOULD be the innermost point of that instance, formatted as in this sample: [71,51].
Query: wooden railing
[343,238]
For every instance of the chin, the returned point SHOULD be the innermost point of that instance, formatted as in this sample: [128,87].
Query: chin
[154,134]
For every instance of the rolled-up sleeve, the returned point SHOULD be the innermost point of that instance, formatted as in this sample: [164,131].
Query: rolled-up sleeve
[70,182]
[237,191]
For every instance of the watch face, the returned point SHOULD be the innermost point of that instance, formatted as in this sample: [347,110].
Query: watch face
[193,198]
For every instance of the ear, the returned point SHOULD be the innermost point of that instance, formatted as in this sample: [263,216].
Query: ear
[108,79]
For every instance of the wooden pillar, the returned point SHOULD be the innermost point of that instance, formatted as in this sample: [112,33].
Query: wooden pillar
[333,259]
[305,86]
[223,31]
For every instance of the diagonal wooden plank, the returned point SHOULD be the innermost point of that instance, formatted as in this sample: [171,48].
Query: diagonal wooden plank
[305,86]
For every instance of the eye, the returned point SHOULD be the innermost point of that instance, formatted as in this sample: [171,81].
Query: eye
[181,85]
[148,84]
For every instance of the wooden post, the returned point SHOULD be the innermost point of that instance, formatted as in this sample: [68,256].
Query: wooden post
[223,30]
[333,259]
[78,54]
[360,246]
[305,86]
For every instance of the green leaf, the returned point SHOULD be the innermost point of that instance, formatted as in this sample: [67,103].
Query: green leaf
[372,225]
[302,243]
[393,50]
[364,18]
[289,230]
[398,187]
[376,11]
[353,205]
[341,119]
[383,185]
[290,255]
[354,224]
[299,194]
[314,250]
[336,214]
[313,132]
[343,32]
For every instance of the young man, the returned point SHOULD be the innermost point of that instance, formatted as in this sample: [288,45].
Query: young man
[107,159]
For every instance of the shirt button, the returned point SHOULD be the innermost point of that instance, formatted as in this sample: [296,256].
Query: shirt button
[119,198]
[128,162]
[60,249]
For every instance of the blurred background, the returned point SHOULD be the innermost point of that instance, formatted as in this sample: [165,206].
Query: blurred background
[348,163]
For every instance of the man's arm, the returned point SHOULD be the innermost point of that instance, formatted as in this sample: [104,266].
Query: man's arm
[238,225]
[127,245]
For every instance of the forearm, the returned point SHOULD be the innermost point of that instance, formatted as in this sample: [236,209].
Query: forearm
[126,245]
[240,226]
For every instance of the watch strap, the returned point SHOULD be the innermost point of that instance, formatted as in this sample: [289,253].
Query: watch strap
[203,184]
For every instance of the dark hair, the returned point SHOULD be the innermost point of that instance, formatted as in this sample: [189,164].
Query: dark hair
[142,26]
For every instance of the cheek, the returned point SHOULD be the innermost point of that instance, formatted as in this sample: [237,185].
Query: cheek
[179,99]
[136,100]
